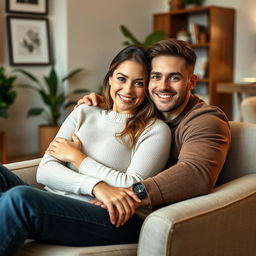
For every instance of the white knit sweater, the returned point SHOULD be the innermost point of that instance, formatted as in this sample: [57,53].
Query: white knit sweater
[109,159]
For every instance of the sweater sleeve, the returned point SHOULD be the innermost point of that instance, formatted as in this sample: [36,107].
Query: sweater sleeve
[150,156]
[56,175]
[205,144]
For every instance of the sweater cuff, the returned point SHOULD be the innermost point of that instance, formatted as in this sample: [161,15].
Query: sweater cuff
[86,165]
[153,192]
[88,185]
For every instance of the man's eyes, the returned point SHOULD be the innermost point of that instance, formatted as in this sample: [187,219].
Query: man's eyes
[175,78]
[155,77]
[172,78]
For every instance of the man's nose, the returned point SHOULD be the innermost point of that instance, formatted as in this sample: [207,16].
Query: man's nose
[164,84]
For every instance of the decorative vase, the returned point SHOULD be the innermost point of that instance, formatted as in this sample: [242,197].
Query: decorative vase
[176,5]
[45,136]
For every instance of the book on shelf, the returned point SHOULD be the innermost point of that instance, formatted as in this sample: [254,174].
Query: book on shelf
[198,33]
[201,67]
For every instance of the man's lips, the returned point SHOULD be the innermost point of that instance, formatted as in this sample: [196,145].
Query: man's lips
[165,95]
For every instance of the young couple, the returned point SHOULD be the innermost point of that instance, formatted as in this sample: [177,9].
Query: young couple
[115,154]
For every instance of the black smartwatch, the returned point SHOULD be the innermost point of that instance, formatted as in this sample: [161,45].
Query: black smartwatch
[139,190]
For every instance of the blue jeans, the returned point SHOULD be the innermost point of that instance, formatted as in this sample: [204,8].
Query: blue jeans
[30,213]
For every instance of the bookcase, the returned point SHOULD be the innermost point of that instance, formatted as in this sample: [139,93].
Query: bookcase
[214,48]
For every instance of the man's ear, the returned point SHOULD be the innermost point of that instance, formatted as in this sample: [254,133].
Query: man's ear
[193,81]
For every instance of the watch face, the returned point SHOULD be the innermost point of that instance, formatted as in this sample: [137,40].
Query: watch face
[139,190]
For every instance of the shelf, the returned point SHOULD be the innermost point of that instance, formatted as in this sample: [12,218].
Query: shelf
[204,80]
[198,9]
[200,45]
[217,49]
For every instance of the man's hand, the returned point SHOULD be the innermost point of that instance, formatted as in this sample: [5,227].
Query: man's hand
[66,150]
[91,99]
[120,202]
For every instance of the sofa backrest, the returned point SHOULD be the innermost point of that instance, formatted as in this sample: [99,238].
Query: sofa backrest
[241,159]
[26,170]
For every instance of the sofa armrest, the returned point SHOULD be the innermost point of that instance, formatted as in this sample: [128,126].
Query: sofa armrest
[26,170]
[220,223]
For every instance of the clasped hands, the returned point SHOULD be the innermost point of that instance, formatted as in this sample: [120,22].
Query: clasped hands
[66,150]
[120,203]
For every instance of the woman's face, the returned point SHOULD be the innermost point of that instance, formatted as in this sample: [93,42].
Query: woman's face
[128,87]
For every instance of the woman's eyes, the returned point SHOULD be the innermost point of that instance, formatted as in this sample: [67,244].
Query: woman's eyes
[121,78]
[138,83]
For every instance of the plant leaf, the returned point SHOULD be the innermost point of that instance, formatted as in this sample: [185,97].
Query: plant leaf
[35,112]
[52,82]
[3,113]
[127,33]
[27,74]
[78,91]
[126,43]
[46,98]
[153,38]
[28,86]
[71,74]
[69,104]
[61,99]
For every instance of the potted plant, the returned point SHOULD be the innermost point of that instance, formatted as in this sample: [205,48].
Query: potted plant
[7,97]
[150,39]
[55,99]
[7,94]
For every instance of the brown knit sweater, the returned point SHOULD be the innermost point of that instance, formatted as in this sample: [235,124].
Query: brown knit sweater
[201,140]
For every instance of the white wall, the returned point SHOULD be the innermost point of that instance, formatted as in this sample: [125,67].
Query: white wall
[84,34]
[94,35]
[245,38]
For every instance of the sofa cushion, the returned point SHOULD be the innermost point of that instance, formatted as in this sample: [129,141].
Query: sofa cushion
[33,248]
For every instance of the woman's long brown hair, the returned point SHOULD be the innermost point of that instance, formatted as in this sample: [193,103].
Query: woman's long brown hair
[146,112]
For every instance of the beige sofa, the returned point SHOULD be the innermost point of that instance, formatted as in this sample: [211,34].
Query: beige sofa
[248,109]
[222,223]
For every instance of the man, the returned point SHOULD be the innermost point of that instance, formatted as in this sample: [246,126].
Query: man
[201,137]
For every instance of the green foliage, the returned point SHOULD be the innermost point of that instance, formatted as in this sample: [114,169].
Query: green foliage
[7,94]
[52,94]
[150,39]
[196,2]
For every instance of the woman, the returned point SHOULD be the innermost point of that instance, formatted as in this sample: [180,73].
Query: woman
[118,146]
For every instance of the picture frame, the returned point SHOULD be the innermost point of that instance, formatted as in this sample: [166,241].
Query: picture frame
[28,41]
[35,7]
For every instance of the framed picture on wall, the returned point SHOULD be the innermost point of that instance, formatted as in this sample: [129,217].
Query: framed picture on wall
[28,41]
[39,7]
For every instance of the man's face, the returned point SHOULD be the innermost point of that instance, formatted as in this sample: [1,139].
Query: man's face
[170,83]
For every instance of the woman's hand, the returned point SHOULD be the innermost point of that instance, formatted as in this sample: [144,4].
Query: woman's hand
[66,150]
[91,99]
[120,202]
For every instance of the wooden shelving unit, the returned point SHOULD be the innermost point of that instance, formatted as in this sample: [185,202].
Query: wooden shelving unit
[219,46]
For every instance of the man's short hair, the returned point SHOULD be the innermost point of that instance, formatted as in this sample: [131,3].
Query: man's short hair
[173,47]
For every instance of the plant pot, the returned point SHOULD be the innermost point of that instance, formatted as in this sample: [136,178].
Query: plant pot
[176,5]
[3,150]
[45,136]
